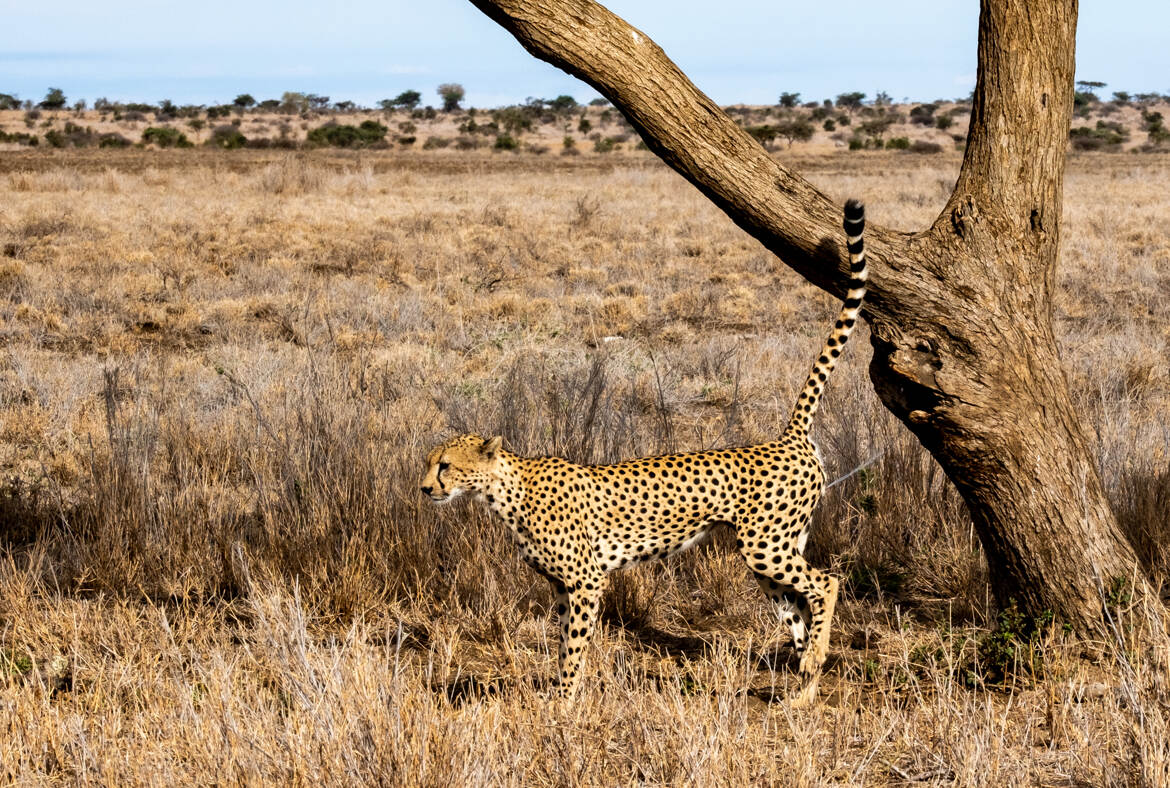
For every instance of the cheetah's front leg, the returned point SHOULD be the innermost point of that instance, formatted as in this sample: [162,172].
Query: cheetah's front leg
[577,607]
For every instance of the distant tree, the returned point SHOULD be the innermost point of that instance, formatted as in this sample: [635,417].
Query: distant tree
[789,100]
[166,108]
[562,104]
[317,102]
[407,99]
[850,101]
[1089,86]
[8,101]
[268,105]
[451,93]
[599,102]
[54,99]
[795,129]
[1121,97]
[244,100]
[882,99]
[344,106]
[294,103]
[102,104]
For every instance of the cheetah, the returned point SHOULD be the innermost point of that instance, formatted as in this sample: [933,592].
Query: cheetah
[576,523]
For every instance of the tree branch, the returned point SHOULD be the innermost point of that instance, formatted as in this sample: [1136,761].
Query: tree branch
[786,213]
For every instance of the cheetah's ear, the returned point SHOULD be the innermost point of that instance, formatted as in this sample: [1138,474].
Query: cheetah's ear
[491,446]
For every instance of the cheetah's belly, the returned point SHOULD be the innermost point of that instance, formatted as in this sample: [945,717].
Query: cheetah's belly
[615,551]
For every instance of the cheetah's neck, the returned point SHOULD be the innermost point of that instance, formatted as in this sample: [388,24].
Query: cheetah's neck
[504,494]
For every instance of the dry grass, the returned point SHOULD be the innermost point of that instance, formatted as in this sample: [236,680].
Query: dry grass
[216,390]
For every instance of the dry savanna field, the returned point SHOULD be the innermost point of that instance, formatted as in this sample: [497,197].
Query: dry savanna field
[220,373]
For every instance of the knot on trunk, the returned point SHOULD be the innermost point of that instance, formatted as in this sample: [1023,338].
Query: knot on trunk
[903,370]
[964,215]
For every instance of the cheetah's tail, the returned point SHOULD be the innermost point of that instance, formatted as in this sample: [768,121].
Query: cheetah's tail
[810,395]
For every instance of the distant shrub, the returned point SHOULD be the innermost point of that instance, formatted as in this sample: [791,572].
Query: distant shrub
[898,143]
[113,140]
[506,142]
[20,138]
[604,145]
[1083,98]
[1106,136]
[369,133]
[568,143]
[196,124]
[134,116]
[265,143]
[923,114]
[407,140]
[513,120]
[165,137]
[877,126]
[944,122]
[856,143]
[72,136]
[829,125]
[468,143]
[436,142]
[923,146]
[227,137]
[763,133]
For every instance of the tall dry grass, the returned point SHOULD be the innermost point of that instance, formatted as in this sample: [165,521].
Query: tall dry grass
[218,386]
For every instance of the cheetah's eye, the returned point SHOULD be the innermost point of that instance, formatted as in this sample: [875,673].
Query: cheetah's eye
[444,466]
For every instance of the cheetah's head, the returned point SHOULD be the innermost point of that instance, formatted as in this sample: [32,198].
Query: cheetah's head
[463,464]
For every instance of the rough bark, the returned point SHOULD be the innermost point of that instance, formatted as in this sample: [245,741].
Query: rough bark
[961,313]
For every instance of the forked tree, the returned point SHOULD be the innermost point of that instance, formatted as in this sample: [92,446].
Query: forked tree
[960,313]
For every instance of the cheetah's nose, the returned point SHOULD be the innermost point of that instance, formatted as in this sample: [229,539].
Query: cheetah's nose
[426,489]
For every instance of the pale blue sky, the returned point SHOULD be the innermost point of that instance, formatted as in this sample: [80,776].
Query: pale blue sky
[208,51]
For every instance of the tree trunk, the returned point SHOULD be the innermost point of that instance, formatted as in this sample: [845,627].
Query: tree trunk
[961,314]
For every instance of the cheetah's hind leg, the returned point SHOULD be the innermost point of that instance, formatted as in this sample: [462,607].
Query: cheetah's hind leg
[790,609]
